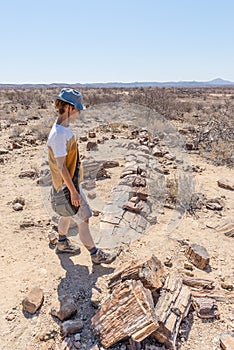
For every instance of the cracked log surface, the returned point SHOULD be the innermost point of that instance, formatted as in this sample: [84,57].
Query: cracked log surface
[128,312]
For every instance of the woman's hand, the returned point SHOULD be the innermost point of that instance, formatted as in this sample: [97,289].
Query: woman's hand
[75,198]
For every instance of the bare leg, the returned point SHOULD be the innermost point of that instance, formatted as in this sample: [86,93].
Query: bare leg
[63,225]
[85,235]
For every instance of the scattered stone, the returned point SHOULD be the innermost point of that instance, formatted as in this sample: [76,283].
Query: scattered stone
[27,223]
[110,164]
[53,238]
[214,204]
[64,308]
[32,174]
[91,146]
[3,151]
[20,200]
[168,262]
[188,266]
[96,298]
[67,344]
[227,340]
[96,212]
[33,301]
[92,134]
[92,195]
[205,307]
[18,206]
[83,138]
[227,184]
[227,228]
[227,286]
[157,152]
[77,344]
[102,173]
[71,327]
[16,145]
[89,185]
[198,256]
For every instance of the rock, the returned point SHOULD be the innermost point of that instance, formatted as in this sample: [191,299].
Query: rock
[64,308]
[89,185]
[92,134]
[92,195]
[157,152]
[18,206]
[91,146]
[20,200]
[198,256]
[53,238]
[227,286]
[33,301]
[16,145]
[96,298]
[27,223]
[102,173]
[71,327]
[205,307]
[214,204]
[32,174]
[227,340]
[110,164]
[4,151]
[227,184]
[83,138]
[77,344]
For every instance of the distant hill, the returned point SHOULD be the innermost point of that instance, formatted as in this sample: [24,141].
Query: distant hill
[215,82]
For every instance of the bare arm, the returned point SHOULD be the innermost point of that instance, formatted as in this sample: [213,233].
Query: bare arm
[75,197]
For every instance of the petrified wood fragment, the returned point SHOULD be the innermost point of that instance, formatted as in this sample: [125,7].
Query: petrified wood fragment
[128,312]
[198,255]
[198,283]
[172,307]
[205,307]
[149,271]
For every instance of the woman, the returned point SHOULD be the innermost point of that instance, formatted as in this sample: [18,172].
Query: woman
[63,161]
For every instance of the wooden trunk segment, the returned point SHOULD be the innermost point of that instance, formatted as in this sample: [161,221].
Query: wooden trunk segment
[217,294]
[172,307]
[149,271]
[198,283]
[198,255]
[128,312]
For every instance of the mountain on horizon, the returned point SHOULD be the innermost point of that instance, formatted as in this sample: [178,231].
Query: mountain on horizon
[214,82]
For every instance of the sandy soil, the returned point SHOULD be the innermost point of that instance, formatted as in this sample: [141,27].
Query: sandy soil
[28,261]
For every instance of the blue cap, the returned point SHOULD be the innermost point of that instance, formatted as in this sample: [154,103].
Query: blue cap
[71,96]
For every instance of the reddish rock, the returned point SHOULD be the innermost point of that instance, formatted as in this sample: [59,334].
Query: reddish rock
[227,340]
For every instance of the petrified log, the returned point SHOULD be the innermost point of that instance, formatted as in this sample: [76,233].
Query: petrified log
[172,307]
[198,255]
[149,271]
[205,307]
[128,312]
[198,283]
[217,294]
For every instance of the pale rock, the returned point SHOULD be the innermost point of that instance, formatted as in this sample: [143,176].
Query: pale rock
[64,308]
[33,301]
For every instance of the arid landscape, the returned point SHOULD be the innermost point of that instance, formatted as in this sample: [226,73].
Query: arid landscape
[159,177]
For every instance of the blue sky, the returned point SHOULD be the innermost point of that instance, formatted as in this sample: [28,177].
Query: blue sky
[69,41]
